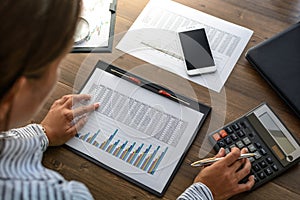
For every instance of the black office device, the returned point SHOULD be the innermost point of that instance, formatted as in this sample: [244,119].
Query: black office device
[278,60]
[262,133]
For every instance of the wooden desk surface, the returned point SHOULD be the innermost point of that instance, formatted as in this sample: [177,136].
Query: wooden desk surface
[244,90]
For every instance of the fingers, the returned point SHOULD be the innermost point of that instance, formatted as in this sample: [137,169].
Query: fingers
[244,150]
[236,169]
[245,186]
[232,156]
[69,100]
[237,165]
[78,125]
[72,99]
[84,109]
[221,153]
[80,97]
[250,183]
[242,169]
[243,172]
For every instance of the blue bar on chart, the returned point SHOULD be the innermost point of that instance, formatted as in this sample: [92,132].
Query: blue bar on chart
[147,160]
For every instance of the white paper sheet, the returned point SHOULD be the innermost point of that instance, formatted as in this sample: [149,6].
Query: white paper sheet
[153,38]
[98,15]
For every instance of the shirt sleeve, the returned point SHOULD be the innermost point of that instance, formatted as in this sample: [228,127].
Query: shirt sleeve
[197,191]
[32,130]
[79,191]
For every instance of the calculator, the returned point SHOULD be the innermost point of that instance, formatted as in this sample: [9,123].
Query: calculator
[262,133]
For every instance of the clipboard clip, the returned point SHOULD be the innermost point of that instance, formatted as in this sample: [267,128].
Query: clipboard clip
[153,88]
[112,7]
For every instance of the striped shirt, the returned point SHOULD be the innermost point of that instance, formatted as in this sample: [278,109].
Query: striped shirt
[197,191]
[22,175]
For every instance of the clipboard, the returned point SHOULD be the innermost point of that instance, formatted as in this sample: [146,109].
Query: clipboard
[100,27]
[138,133]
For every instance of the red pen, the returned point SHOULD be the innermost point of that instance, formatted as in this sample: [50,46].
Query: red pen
[133,79]
[165,93]
[138,82]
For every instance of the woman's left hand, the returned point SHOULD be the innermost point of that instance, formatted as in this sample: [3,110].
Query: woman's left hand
[62,122]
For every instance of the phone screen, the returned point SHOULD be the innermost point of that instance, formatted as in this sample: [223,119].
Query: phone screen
[196,50]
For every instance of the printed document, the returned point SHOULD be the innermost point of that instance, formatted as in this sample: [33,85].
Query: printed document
[98,16]
[154,38]
[135,132]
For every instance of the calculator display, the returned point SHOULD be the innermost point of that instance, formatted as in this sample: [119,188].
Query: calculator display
[277,134]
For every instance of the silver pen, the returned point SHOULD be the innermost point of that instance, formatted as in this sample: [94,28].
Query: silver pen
[163,51]
[209,161]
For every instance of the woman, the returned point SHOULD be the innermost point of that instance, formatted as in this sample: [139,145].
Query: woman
[35,37]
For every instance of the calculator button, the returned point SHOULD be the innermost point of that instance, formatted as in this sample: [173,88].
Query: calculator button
[256,167]
[257,144]
[251,148]
[263,151]
[223,133]
[240,133]
[236,127]
[239,144]
[243,124]
[269,160]
[268,171]
[251,159]
[221,143]
[246,141]
[216,136]
[232,146]
[251,135]
[263,164]
[257,155]
[261,175]
[229,129]
[247,131]
[228,140]
[234,137]
[274,167]
[227,151]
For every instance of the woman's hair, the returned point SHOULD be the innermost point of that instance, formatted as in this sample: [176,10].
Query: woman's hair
[33,33]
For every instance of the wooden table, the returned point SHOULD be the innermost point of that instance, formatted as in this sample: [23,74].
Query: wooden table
[244,90]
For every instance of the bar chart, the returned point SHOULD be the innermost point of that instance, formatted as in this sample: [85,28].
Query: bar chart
[146,157]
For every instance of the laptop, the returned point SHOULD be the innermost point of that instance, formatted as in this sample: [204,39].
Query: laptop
[277,59]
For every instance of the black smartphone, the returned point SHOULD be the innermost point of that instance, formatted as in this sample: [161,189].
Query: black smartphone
[196,52]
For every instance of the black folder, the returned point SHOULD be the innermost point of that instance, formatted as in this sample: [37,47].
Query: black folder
[277,59]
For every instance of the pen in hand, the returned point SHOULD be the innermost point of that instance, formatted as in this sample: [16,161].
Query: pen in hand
[209,161]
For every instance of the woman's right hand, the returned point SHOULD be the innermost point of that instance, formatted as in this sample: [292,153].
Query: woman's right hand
[223,177]
[59,122]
